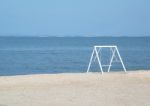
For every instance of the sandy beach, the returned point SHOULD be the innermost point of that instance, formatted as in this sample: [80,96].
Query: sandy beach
[78,89]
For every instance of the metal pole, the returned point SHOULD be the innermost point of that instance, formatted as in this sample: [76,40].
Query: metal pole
[98,53]
[113,53]
[99,62]
[90,61]
[121,59]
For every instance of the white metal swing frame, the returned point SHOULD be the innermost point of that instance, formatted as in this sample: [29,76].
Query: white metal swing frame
[115,52]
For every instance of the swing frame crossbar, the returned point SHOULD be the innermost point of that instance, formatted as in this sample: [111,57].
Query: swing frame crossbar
[115,52]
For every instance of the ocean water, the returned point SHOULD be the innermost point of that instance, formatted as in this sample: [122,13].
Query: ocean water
[38,55]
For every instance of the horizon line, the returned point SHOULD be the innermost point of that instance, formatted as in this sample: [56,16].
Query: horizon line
[72,36]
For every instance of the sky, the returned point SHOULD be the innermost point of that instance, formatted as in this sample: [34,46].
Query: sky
[75,17]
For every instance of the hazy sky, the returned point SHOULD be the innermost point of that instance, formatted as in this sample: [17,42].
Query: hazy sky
[75,17]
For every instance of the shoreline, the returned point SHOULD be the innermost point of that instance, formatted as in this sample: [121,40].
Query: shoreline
[111,72]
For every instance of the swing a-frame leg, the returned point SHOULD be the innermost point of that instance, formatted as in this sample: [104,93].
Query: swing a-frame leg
[96,57]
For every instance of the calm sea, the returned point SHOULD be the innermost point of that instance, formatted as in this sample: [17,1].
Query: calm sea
[34,55]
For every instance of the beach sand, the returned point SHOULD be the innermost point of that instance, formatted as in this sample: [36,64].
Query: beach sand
[76,89]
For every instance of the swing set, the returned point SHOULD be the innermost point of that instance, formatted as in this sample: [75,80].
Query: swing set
[96,55]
